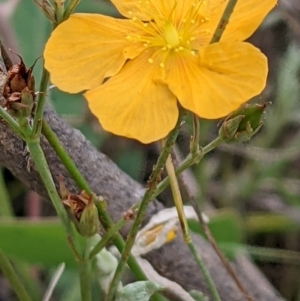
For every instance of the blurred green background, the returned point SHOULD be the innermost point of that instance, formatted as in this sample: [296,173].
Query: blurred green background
[255,187]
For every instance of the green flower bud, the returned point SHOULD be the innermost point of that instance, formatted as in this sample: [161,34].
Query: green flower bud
[242,124]
[81,210]
[89,222]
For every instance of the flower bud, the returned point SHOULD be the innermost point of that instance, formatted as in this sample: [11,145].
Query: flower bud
[89,221]
[21,104]
[18,91]
[81,209]
[242,124]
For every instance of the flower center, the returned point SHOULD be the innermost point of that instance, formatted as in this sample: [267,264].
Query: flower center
[169,32]
[171,35]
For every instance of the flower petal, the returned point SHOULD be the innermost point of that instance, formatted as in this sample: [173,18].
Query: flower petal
[245,19]
[224,76]
[133,8]
[87,48]
[133,105]
[153,9]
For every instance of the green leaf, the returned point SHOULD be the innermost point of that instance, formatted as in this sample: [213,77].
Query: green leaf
[36,242]
[138,291]
[225,226]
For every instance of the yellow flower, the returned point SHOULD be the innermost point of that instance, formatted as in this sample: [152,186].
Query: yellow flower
[159,55]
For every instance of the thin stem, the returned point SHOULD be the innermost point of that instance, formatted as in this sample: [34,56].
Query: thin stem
[205,272]
[59,10]
[38,114]
[73,249]
[185,229]
[107,237]
[214,244]
[64,157]
[5,205]
[190,160]
[177,199]
[85,273]
[13,278]
[148,196]
[40,162]
[194,148]
[223,21]
[11,122]
[70,8]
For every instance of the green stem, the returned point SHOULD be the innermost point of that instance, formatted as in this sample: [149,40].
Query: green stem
[59,10]
[11,122]
[223,21]
[205,272]
[190,160]
[40,162]
[85,273]
[194,147]
[64,157]
[38,114]
[70,8]
[5,205]
[107,237]
[147,198]
[185,229]
[13,278]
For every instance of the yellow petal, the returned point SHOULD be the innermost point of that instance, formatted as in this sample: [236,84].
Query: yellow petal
[224,76]
[133,8]
[153,9]
[87,48]
[245,19]
[133,105]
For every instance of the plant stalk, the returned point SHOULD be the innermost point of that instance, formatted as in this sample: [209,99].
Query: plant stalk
[185,229]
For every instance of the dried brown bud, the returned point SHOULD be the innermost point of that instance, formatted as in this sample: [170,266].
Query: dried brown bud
[18,90]
[81,209]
